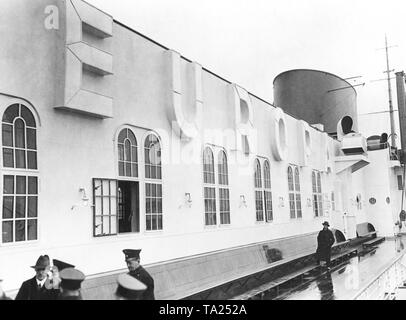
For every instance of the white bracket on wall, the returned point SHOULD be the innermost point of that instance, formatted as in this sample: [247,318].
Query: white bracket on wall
[186,125]
[279,135]
[244,119]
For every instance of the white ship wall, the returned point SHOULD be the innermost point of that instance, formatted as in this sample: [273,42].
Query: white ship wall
[74,148]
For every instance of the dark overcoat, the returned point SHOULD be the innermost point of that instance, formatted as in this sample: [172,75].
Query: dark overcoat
[142,275]
[29,291]
[325,240]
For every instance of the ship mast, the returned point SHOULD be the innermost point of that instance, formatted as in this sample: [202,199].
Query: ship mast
[388,71]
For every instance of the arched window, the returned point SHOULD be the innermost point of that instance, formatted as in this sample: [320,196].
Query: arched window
[20,191]
[152,149]
[295,201]
[259,200]
[127,154]
[209,188]
[268,192]
[208,166]
[317,195]
[223,168]
[224,192]
[153,189]
[19,138]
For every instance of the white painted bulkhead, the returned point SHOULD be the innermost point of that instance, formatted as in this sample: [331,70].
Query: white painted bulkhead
[74,148]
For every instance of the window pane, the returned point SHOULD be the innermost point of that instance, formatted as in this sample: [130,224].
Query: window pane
[134,156]
[297,180]
[32,185]
[8,186]
[121,152]
[160,224]
[7,231]
[98,205]
[148,223]
[159,205]
[8,158]
[21,186]
[106,225]
[153,172]
[19,133]
[31,139]
[290,179]
[20,230]
[128,169]
[106,206]
[32,160]
[132,138]
[8,203]
[32,207]
[122,136]
[258,179]
[98,226]
[7,135]
[27,116]
[32,229]
[127,150]
[20,207]
[299,205]
[134,170]
[20,159]
[97,187]
[319,182]
[121,168]
[11,113]
[154,222]
[113,224]
[292,205]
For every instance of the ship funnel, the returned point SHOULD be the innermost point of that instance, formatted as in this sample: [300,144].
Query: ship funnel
[400,86]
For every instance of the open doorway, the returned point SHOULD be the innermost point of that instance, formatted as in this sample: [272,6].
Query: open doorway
[128,207]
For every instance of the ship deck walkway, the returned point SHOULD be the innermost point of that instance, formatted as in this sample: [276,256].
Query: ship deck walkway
[345,281]
[301,275]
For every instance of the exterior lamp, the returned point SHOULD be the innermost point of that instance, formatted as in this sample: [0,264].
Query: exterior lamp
[188,200]
[243,202]
[85,198]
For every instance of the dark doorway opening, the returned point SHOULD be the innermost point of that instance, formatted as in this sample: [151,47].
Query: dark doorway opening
[128,207]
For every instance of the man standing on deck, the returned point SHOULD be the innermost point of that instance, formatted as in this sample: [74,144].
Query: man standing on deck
[132,258]
[325,241]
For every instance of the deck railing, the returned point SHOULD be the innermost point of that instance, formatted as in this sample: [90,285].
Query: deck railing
[383,286]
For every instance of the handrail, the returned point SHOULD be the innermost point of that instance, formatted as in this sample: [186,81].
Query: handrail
[365,292]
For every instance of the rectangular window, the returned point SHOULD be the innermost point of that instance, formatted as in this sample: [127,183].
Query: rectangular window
[317,194]
[295,199]
[210,206]
[153,205]
[259,205]
[105,207]
[224,206]
[292,205]
[268,206]
[20,209]
[400,183]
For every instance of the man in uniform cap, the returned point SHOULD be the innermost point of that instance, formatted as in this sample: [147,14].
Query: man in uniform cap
[325,241]
[132,258]
[71,281]
[35,289]
[129,288]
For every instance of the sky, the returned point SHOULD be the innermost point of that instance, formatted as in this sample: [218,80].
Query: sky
[250,42]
